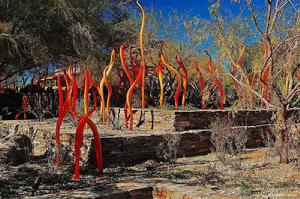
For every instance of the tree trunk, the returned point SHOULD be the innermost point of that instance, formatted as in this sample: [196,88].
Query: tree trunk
[284,135]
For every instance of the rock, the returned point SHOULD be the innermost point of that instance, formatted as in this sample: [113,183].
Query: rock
[15,150]
[91,161]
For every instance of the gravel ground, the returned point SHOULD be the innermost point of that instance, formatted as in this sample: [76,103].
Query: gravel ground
[260,176]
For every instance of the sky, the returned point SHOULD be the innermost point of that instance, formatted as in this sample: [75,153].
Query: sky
[196,7]
[199,8]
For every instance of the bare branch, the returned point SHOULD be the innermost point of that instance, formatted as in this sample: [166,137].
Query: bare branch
[249,2]
[287,39]
[293,92]
[269,16]
[9,75]
[278,8]
[268,104]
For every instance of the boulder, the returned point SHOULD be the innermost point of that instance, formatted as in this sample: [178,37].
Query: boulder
[15,150]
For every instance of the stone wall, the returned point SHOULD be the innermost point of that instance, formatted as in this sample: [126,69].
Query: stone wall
[131,150]
[187,120]
[143,143]
[157,119]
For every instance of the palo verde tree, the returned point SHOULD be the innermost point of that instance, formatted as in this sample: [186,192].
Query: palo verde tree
[260,51]
[264,60]
[279,32]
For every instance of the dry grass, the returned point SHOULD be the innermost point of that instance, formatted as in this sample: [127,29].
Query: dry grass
[261,175]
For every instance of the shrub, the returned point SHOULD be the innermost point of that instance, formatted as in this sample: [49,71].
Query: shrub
[228,141]
[168,147]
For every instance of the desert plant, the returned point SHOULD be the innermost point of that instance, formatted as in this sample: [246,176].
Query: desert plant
[114,121]
[271,141]
[167,148]
[228,141]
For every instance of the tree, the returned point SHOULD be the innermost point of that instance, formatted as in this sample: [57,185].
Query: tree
[38,33]
[281,34]
[279,31]
[265,45]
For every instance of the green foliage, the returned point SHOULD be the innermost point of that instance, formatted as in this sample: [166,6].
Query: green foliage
[5,27]
[37,33]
